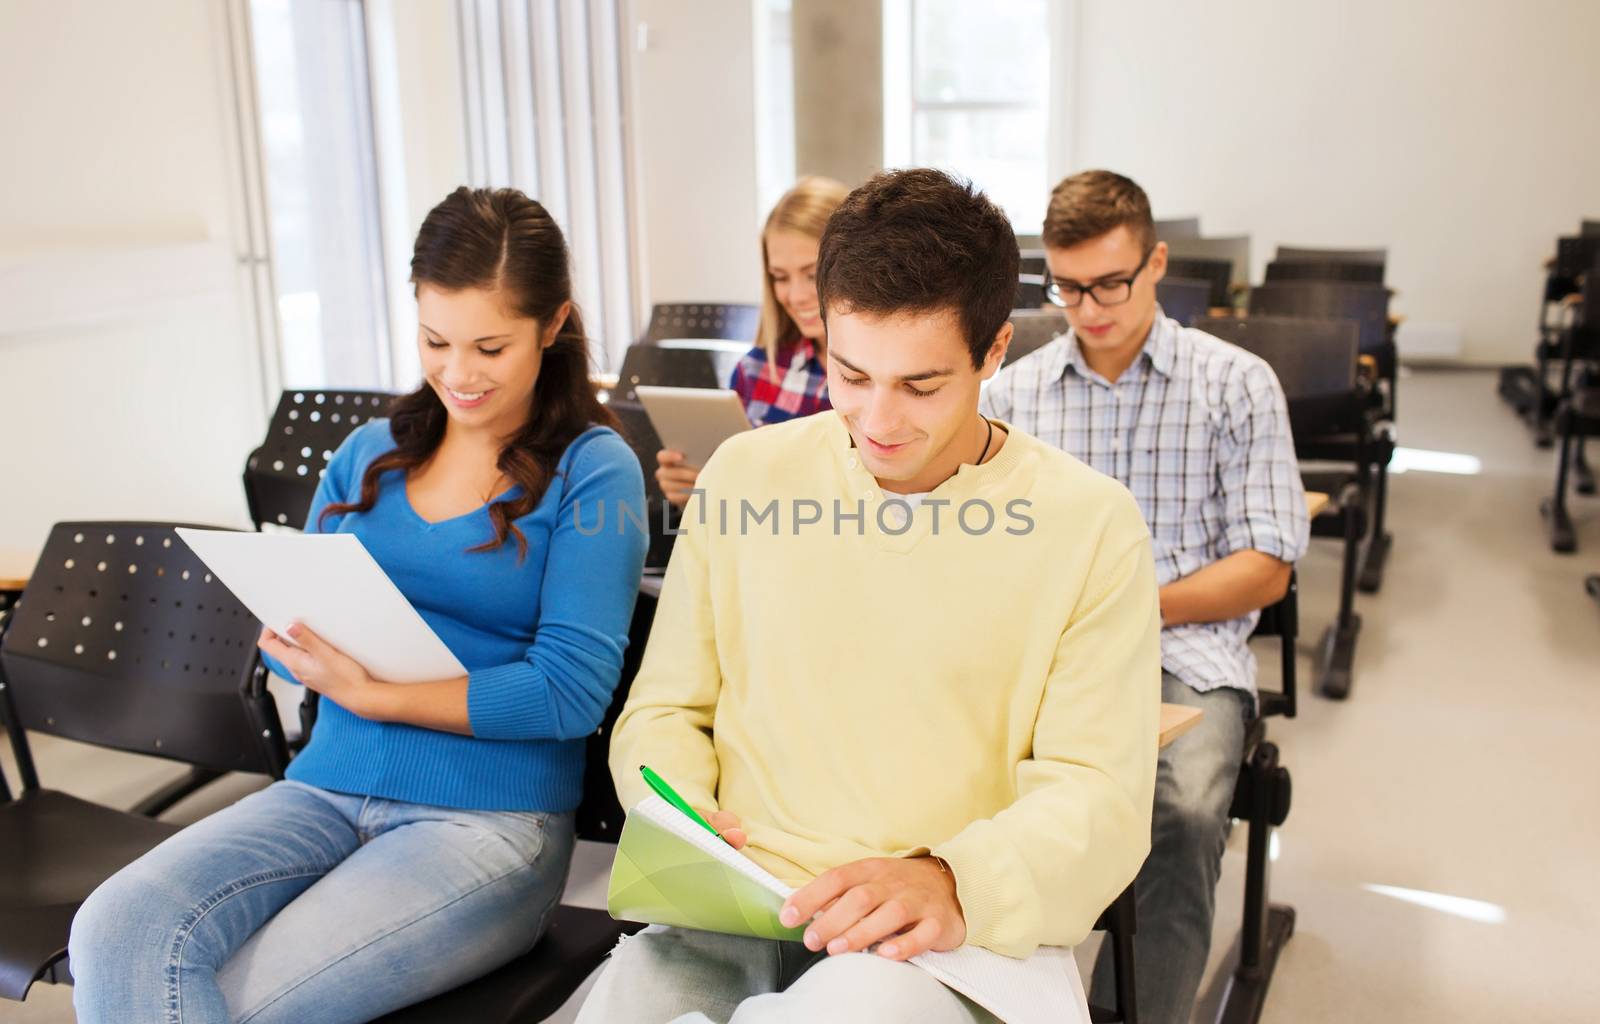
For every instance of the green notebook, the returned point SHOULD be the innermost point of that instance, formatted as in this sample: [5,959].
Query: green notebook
[670,870]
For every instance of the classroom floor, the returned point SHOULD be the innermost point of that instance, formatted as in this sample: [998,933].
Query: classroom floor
[1458,777]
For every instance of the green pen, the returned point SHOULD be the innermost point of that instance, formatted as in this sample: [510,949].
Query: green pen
[667,793]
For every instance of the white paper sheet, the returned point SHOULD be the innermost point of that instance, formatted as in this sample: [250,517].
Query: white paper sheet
[1043,989]
[330,583]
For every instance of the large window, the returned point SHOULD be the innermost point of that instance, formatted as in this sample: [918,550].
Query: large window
[968,87]
[543,85]
[321,192]
[774,52]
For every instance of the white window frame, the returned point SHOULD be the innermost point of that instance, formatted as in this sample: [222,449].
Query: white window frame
[252,213]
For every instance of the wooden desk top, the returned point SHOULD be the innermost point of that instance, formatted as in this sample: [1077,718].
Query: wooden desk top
[1316,501]
[15,568]
[1177,719]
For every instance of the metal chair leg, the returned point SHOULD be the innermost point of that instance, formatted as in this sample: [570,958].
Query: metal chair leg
[1263,796]
[1378,547]
[1121,922]
[1563,538]
[1337,653]
[164,798]
[1582,473]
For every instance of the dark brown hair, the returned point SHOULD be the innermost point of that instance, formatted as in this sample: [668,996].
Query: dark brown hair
[917,241]
[498,239]
[1091,203]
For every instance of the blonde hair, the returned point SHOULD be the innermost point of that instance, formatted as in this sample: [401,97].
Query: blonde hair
[805,210]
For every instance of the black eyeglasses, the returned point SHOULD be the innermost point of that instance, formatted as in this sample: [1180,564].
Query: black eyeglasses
[1069,295]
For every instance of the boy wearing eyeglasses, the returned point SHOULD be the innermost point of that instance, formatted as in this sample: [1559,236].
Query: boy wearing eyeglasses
[1198,430]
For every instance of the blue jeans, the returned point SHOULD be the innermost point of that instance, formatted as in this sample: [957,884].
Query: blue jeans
[1176,887]
[299,904]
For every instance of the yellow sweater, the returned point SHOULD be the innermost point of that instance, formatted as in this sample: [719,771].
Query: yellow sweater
[992,696]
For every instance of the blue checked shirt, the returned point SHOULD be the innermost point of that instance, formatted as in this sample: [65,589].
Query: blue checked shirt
[1198,430]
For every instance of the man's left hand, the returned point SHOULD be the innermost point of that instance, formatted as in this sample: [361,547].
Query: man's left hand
[909,905]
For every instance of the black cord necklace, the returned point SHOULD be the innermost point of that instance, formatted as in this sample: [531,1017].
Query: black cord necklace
[986,441]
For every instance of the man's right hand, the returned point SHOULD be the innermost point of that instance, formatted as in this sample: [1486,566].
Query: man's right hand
[675,477]
[727,825]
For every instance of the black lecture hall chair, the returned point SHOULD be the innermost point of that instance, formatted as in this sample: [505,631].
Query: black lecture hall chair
[1217,273]
[1527,388]
[122,640]
[1261,800]
[721,320]
[1315,362]
[1031,330]
[687,363]
[1032,261]
[1310,270]
[308,425]
[1184,299]
[1178,227]
[1368,306]
[281,476]
[1577,412]
[1302,254]
[1030,291]
[1233,248]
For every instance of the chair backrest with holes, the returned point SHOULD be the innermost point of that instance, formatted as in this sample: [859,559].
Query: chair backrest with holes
[123,639]
[281,476]
[706,363]
[726,320]
[1574,256]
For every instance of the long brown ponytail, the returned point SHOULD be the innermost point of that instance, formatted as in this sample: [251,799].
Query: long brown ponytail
[500,239]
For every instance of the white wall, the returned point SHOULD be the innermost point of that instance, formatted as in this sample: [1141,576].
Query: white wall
[118,167]
[694,141]
[1459,134]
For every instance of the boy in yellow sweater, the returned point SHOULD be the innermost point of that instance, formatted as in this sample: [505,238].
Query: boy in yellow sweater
[906,657]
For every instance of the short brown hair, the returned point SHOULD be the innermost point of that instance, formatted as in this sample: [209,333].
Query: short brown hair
[1091,203]
[920,241]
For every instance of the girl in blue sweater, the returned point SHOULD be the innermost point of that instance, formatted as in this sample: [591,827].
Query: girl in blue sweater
[422,837]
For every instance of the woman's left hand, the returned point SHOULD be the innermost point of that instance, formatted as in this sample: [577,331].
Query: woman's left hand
[319,666]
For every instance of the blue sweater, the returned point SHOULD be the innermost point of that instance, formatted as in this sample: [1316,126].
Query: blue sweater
[542,639]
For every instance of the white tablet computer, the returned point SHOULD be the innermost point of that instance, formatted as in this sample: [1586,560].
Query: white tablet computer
[693,420]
